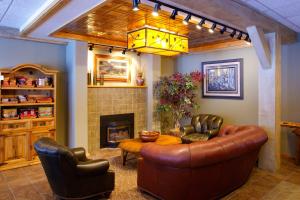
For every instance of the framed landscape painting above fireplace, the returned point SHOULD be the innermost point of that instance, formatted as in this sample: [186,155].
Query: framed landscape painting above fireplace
[223,79]
[114,68]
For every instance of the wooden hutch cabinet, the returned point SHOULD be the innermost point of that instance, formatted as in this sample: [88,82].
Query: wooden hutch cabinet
[28,112]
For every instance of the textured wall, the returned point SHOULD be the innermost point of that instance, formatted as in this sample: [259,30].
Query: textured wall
[109,101]
[14,52]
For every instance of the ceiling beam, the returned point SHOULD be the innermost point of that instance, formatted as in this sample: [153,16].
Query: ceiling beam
[41,16]
[13,33]
[219,45]
[90,39]
[261,46]
[236,15]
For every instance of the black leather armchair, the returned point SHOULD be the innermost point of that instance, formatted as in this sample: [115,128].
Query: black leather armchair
[202,128]
[71,175]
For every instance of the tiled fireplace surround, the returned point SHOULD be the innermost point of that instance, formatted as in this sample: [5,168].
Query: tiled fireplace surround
[110,101]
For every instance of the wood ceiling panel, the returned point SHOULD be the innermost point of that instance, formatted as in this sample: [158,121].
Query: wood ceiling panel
[114,18]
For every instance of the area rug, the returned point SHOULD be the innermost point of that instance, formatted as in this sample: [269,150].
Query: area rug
[125,176]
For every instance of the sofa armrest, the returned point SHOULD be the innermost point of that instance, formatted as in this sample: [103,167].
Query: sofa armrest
[79,153]
[211,133]
[188,129]
[92,167]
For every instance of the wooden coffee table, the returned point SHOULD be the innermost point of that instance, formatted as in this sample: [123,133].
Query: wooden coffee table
[134,146]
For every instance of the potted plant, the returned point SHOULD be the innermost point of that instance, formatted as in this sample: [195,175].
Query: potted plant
[176,94]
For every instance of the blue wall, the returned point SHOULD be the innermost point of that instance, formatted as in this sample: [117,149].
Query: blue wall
[14,52]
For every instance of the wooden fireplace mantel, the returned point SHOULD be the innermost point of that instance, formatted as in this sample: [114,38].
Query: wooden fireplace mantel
[116,86]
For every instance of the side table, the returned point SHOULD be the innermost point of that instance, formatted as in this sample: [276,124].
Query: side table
[296,131]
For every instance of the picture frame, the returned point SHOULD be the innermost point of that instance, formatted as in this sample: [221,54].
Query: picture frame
[114,68]
[223,79]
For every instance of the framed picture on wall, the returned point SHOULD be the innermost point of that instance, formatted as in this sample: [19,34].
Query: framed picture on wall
[223,79]
[114,68]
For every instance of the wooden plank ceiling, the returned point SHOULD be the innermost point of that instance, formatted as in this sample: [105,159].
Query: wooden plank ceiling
[109,23]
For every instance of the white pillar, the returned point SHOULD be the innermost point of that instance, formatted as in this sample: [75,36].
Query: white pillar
[152,66]
[268,49]
[77,93]
[270,105]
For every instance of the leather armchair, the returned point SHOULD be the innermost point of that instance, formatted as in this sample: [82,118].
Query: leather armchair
[71,174]
[202,128]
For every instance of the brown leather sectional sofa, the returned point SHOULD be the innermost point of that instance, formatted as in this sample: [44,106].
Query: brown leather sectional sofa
[201,170]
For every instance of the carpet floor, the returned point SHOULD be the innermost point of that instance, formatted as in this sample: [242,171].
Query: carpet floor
[30,183]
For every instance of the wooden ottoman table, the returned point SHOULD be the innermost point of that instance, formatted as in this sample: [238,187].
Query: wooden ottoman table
[134,145]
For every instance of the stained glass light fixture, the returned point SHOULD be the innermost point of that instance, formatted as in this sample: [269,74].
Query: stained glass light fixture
[148,40]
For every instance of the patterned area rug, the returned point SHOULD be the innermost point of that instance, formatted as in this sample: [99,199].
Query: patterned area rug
[126,176]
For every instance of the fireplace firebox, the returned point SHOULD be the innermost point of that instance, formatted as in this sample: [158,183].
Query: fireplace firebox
[114,128]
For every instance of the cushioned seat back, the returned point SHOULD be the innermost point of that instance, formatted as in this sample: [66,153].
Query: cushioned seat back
[58,162]
[204,122]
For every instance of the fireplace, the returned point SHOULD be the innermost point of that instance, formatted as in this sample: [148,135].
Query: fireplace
[114,128]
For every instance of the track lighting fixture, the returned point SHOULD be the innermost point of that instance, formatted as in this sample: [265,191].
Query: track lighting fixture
[222,31]
[110,49]
[91,47]
[174,13]
[138,53]
[189,15]
[156,9]
[135,5]
[124,51]
[200,24]
[247,39]
[212,28]
[187,19]
[232,34]
[239,37]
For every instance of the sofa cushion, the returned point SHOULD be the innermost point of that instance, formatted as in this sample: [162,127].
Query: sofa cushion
[194,137]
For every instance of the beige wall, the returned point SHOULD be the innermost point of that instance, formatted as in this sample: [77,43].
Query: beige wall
[290,95]
[167,65]
[233,111]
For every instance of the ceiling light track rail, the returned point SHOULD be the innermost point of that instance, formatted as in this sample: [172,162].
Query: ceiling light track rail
[111,48]
[223,27]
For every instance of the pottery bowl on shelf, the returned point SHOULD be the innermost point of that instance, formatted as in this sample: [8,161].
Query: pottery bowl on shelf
[149,136]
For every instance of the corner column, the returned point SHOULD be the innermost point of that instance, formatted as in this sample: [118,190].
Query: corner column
[152,66]
[77,93]
[268,49]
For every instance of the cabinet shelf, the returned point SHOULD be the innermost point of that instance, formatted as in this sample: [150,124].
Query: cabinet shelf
[24,88]
[25,120]
[25,104]
[17,136]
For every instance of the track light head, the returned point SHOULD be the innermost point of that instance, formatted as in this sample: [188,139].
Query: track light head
[91,47]
[200,24]
[239,37]
[156,9]
[174,13]
[248,40]
[212,28]
[110,49]
[135,5]
[187,19]
[222,31]
[124,51]
[138,53]
[232,34]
